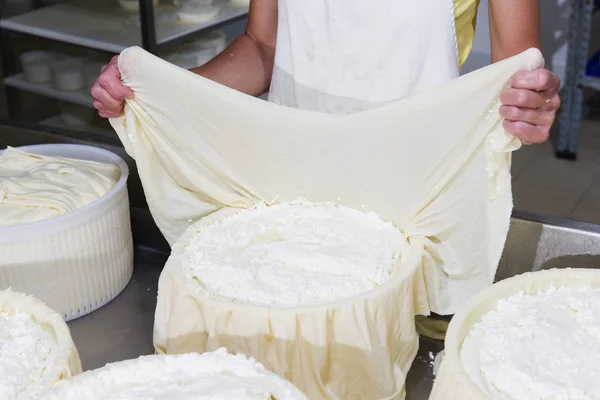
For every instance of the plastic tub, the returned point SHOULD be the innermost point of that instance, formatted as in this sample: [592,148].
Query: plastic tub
[67,75]
[240,3]
[452,381]
[133,5]
[79,261]
[183,60]
[197,13]
[36,66]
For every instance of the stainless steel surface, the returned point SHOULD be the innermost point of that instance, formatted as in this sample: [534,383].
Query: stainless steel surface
[123,328]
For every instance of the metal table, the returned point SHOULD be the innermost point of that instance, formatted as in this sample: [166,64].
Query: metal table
[123,328]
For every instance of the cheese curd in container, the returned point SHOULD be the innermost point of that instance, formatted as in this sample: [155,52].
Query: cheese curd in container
[68,75]
[535,336]
[36,349]
[36,66]
[70,246]
[194,12]
[192,376]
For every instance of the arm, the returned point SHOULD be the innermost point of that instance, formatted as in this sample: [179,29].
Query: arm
[514,27]
[247,63]
[529,105]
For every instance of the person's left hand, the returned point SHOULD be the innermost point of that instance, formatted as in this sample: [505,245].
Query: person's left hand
[529,105]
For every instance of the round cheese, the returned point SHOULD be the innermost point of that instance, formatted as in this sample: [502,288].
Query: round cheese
[36,349]
[210,376]
[534,336]
[37,187]
[544,346]
[197,13]
[294,253]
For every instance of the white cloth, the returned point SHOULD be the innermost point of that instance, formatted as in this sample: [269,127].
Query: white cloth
[344,56]
[437,164]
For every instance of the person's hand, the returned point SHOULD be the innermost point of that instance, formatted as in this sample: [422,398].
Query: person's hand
[108,91]
[529,105]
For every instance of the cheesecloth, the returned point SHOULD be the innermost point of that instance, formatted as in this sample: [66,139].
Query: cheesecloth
[452,381]
[67,362]
[436,164]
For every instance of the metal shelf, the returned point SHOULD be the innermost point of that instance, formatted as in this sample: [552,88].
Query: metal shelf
[105,26]
[590,82]
[81,97]
[57,122]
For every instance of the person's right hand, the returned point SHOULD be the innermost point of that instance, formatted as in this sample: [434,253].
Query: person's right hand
[108,91]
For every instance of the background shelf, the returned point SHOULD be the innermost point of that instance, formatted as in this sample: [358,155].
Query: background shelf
[105,26]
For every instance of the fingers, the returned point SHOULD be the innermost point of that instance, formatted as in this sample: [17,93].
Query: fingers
[109,92]
[529,105]
[527,133]
[110,80]
[531,116]
[530,99]
[540,80]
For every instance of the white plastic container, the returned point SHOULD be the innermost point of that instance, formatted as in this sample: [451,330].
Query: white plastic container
[36,66]
[68,75]
[133,5]
[240,3]
[183,60]
[197,13]
[79,261]
[452,381]
[75,115]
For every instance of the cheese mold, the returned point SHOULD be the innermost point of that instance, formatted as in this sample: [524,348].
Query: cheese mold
[436,165]
[36,349]
[80,260]
[468,373]
[210,376]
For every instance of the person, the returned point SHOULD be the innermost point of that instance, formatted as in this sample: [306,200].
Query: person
[343,56]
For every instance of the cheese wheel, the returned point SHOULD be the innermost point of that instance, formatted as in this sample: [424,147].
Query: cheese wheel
[192,376]
[36,349]
[454,381]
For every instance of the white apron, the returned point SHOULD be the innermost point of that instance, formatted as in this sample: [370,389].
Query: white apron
[345,56]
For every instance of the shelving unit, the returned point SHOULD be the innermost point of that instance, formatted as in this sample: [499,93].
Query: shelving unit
[57,122]
[102,26]
[576,80]
[81,97]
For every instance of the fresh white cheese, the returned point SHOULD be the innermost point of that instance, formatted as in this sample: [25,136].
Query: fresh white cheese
[296,253]
[27,353]
[542,347]
[210,376]
[37,187]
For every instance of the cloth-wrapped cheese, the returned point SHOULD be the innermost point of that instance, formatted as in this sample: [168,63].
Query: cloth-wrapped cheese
[209,376]
[566,367]
[437,165]
[36,349]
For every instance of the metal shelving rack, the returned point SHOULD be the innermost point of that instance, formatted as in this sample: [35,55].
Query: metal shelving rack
[102,26]
[576,80]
